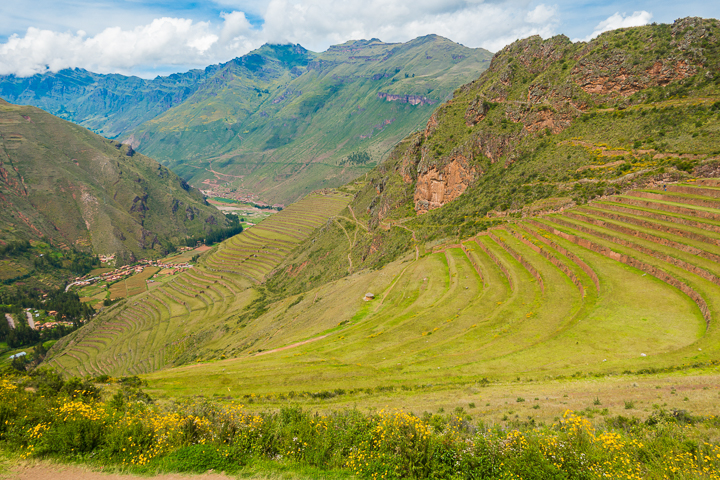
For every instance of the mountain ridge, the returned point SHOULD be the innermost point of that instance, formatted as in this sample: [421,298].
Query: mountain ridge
[61,184]
[277,113]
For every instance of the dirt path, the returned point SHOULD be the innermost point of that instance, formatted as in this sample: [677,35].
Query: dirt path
[10,320]
[51,471]
[352,244]
[292,346]
[356,220]
[417,249]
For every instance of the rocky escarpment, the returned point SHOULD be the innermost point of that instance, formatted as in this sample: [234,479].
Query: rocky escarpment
[437,186]
[534,88]
[411,99]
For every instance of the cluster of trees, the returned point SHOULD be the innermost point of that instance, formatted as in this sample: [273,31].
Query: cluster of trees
[48,259]
[356,158]
[14,248]
[218,235]
[15,302]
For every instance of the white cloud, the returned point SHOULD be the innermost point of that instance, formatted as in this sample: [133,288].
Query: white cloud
[616,21]
[163,41]
[315,24]
[473,23]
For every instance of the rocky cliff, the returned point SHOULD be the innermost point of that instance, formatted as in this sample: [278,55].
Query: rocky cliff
[535,88]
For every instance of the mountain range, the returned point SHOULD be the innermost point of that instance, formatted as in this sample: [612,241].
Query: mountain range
[275,123]
[473,249]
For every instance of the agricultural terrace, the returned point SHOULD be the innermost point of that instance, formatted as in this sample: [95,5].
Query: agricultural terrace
[627,284]
[162,327]
[257,251]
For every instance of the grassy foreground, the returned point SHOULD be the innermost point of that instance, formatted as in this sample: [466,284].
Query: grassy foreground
[44,416]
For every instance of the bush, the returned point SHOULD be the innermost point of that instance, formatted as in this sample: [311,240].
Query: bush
[198,436]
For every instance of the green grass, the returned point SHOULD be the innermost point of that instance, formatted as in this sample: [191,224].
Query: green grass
[120,194]
[437,320]
[164,327]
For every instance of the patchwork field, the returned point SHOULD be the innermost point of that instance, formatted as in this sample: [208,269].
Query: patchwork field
[152,330]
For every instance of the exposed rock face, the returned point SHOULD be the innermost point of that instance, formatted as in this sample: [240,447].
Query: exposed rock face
[614,75]
[411,99]
[534,88]
[436,187]
[476,111]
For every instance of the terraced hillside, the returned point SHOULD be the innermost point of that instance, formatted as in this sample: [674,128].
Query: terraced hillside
[168,324]
[629,282]
[255,253]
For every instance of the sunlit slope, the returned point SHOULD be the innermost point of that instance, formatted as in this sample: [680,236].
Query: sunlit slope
[281,125]
[627,283]
[169,324]
[260,249]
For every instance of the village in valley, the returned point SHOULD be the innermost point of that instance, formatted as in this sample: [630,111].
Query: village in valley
[105,285]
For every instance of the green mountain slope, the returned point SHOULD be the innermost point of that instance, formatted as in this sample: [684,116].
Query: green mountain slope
[277,122]
[482,240]
[106,104]
[63,185]
[549,125]
[282,121]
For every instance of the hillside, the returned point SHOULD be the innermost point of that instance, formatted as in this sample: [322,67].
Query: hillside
[109,105]
[551,124]
[276,123]
[477,239]
[65,186]
[208,304]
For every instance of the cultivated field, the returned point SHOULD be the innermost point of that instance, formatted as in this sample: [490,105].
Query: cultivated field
[627,284]
[162,327]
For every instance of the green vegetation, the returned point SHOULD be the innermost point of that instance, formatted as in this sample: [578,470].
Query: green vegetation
[551,242]
[166,325]
[41,266]
[276,122]
[70,420]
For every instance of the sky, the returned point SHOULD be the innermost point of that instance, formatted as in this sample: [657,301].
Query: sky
[158,37]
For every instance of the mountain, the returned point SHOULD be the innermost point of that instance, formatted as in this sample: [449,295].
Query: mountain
[66,186]
[109,105]
[552,124]
[275,123]
[558,216]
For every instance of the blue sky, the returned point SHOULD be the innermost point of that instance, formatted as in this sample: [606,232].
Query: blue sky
[162,36]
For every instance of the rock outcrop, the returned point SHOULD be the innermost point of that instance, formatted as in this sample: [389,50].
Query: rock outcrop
[439,185]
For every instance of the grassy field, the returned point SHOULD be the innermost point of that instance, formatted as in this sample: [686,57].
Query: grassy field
[133,285]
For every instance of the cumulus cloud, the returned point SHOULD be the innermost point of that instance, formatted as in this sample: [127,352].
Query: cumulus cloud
[163,41]
[315,24]
[617,20]
[473,23]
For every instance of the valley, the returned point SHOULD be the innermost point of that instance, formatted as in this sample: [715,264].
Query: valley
[527,287]
[276,123]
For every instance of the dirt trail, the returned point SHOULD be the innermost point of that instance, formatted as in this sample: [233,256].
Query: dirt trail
[291,346]
[356,220]
[352,244]
[10,320]
[417,249]
[50,471]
